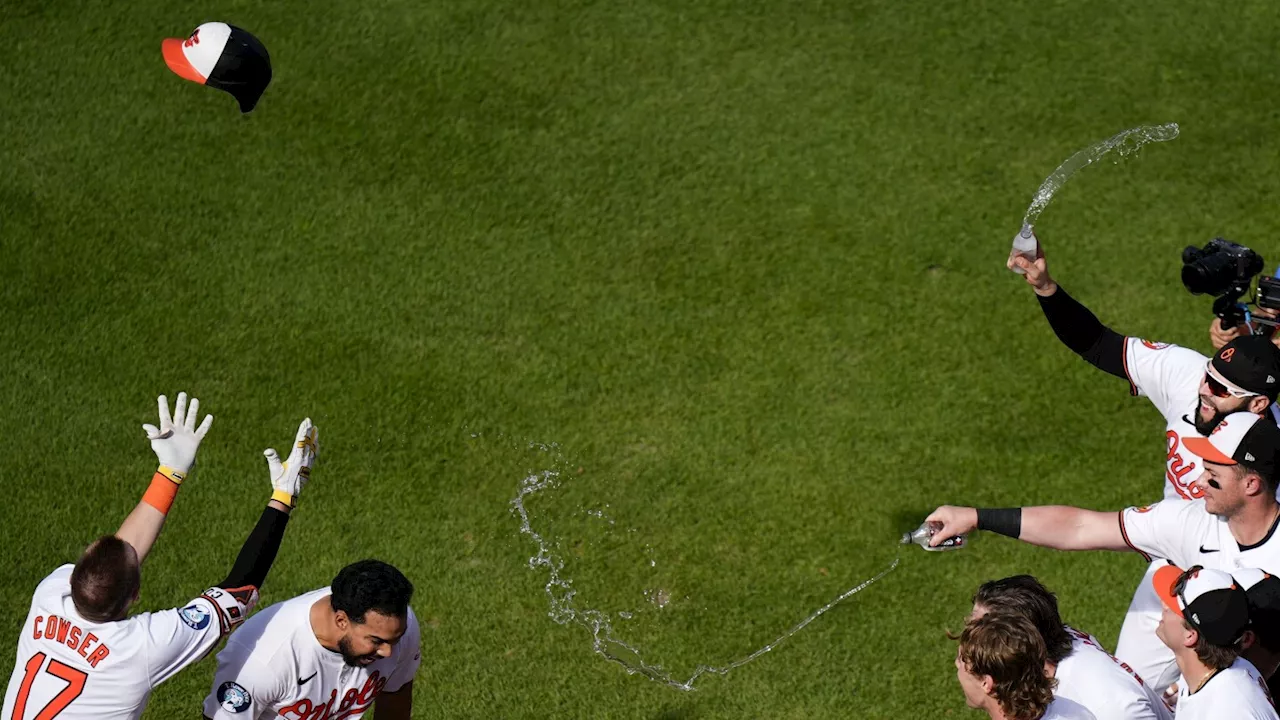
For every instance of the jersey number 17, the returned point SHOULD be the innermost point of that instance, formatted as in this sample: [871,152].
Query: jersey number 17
[75,685]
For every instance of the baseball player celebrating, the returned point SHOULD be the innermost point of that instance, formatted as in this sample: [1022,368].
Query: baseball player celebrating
[1204,620]
[1192,392]
[79,655]
[331,653]
[1086,674]
[1000,665]
[1232,526]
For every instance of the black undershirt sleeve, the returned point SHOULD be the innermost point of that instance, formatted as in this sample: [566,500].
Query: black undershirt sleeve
[1081,331]
[259,550]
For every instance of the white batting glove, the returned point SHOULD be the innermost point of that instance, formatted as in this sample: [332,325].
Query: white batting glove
[177,438]
[288,477]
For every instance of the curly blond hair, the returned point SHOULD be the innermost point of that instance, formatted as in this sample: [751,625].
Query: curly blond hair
[1010,650]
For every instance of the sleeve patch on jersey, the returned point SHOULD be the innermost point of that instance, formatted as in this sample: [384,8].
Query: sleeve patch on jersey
[195,616]
[232,605]
[233,698]
[1155,345]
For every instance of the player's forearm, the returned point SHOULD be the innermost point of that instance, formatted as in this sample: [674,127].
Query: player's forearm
[1070,528]
[259,549]
[141,528]
[1080,330]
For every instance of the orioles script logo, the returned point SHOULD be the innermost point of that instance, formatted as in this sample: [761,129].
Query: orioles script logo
[1178,468]
[1227,354]
[1155,345]
[353,702]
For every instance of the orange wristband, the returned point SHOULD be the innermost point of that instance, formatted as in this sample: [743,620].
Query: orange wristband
[161,493]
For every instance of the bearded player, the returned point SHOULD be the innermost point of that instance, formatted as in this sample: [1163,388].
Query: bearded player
[80,655]
[1193,393]
[331,653]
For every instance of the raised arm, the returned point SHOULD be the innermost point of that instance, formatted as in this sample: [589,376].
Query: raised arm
[1054,526]
[1072,322]
[175,442]
[184,637]
[287,480]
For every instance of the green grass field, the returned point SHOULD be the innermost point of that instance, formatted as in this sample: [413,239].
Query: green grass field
[743,262]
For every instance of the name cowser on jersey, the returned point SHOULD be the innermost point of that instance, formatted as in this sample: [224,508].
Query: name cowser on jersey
[71,668]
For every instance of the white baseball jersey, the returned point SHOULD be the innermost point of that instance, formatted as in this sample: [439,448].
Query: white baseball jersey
[1105,686]
[274,667]
[1064,709]
[1237,692]
[1169,376]
[1185,534]
[72,669]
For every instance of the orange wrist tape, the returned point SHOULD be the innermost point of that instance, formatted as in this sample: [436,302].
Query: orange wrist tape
[161,493]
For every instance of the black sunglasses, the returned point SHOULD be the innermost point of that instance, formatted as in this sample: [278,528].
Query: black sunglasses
[1180,586]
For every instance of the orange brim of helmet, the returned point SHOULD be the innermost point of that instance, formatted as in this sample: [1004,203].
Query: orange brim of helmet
[1206,449]
[177,60]
[1163,581]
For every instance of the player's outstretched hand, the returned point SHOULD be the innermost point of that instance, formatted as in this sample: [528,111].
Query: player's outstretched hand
[290,476]
[177,438]
[1035,271]
[954,521]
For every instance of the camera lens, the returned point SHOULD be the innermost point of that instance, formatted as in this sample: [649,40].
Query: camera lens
[1209,275]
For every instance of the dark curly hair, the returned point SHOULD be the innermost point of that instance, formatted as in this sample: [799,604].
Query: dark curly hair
[371,585]
[1024,595]
[1010,650]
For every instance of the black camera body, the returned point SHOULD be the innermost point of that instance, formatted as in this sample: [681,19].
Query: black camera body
[1268,293]
[1225,270]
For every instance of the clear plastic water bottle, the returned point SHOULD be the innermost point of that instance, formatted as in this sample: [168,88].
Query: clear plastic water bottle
[1024,244]
[923,534]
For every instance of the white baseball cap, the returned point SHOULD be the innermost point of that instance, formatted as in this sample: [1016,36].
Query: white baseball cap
[1210,600]
[1241,437]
